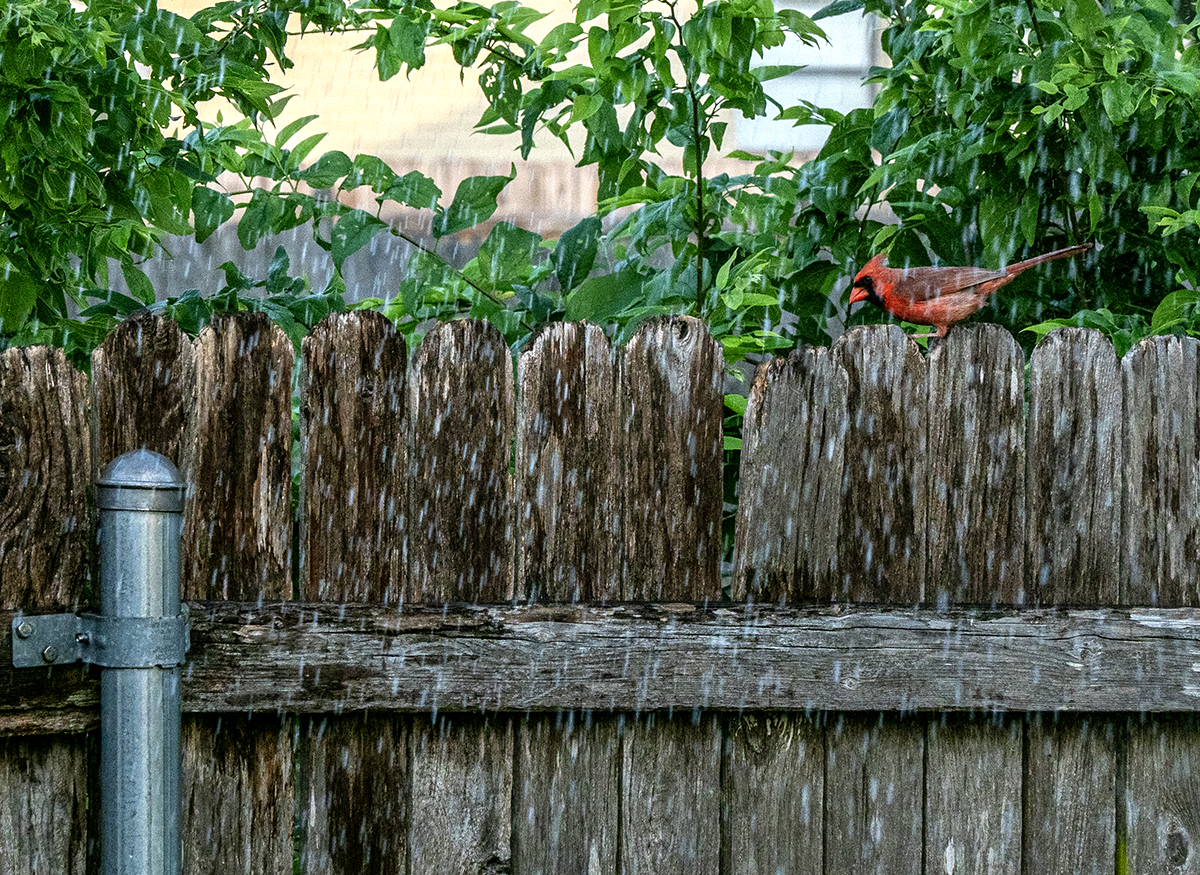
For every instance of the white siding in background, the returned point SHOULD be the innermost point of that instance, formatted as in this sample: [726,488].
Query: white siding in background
[833,78]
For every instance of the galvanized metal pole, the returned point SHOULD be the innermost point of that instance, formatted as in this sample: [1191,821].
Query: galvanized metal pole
[140,497]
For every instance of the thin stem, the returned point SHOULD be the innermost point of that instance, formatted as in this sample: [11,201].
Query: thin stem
[697,133]
[417,244]
[1033,19]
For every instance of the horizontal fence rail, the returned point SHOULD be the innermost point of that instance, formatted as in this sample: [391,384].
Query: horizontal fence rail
[493,634]
[308,658]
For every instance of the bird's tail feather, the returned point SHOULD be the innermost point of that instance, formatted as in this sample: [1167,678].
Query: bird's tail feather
[1020,266]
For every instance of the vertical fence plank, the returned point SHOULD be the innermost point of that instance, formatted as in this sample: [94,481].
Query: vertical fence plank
[881,556]
[873,786]
[568,481]
[790,484]
[237,545]
[460,536]
[567,789]
[353,783]
[670,816]
[353,792]
[46,532]
[141,379]
[772,795]
[353,432]
[1162,815]
[976,493]
[461,816]
[671,377]
[1162,473]
[1070,795]
[46,536]
[568,521]
[973,796]
[461,405]
[1073,496]
[237,458]
[1161,566]
[237,795]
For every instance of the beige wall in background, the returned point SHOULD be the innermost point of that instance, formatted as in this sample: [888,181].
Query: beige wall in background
[425,121]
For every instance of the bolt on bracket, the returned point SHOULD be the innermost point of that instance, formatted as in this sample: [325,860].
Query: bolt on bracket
[109,642]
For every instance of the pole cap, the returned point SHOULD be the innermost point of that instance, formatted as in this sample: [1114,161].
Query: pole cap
[140,480]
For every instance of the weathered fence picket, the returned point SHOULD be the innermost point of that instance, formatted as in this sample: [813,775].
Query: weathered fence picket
[793,446]
[881,537]
[1161,566]
[47,799]
[1073,502]
[511,651]
[976,422]
[353,778]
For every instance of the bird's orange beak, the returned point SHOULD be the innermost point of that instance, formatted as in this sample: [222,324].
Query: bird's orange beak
[858,294]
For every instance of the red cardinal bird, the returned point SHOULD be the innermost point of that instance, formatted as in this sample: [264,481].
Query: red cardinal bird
[939,296]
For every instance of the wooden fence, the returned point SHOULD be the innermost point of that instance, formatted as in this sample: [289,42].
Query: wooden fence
[960,634]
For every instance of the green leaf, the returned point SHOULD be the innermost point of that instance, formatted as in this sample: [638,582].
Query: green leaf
[327,170]
[18,294]
[210,210]
[351,233]
[474,202]
[139,284]
[601,298]
[288,130]
[736,403]
[1117,98]
[838,7]
[1031,206]
[1175,309]
[259,217]
[415,189]
[732,443]
[575,253]
[506,256]
[369,170]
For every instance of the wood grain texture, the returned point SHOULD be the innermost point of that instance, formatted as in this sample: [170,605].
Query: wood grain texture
[1070,795]
[142,377]
[47,536]
[973,796]
[354,501]
[790,485]
[46,529]
[873,804]
[881,555]
[568,772]
[461,405]
[1161,528]
[671,378]
[976,419]
[772,795]
[1073,493]
[237,795]
[353,795]
[461,815]
[309,658]
[237,460]
[671,778]
[568,481]
[237,531]
[353,433]
[1162,788]
[45,826]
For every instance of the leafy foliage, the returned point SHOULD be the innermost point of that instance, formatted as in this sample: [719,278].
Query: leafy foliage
[1001,129]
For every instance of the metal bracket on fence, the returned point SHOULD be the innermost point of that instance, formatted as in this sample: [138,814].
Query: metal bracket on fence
[109,642]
